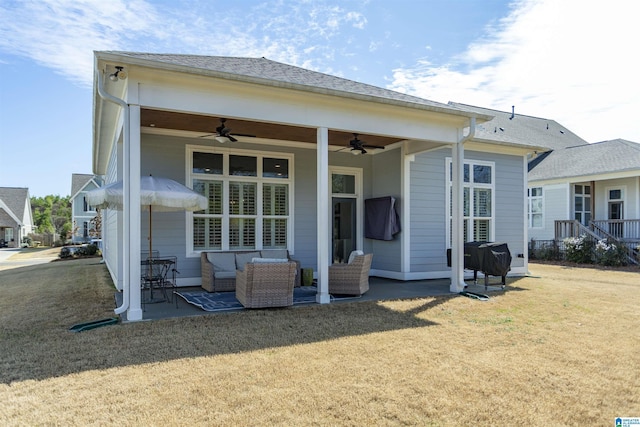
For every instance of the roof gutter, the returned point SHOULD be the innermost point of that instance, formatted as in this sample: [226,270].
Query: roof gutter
[108,97]
[472,130]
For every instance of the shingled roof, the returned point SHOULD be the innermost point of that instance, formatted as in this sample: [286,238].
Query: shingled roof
[507,127]
[15,199]
[268,72]
[614,156]
[79,181]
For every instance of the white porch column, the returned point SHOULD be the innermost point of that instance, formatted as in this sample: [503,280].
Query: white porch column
[457,219]
[131,190]
[323,217]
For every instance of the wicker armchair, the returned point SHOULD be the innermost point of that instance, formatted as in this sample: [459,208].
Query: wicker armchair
[352,278]
[266,284]
[218,279]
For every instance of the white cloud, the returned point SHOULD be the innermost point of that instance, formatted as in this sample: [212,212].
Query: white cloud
[62,34]
[571,61]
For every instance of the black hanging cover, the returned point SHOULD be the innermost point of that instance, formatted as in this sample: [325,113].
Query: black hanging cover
[381,221]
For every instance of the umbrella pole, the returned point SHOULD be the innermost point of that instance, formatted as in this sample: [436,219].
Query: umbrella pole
[150,238]
[150,254]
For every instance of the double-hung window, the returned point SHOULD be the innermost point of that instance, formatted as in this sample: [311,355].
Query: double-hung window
[478,200]
[250,199]
[535,207]
[582,203]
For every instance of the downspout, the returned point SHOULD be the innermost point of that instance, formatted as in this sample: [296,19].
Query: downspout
[472,130]
[108,97]
[457,261]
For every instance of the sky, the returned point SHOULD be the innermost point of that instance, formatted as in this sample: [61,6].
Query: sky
[572,61]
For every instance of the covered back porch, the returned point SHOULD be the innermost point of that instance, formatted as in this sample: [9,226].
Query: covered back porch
[380,289]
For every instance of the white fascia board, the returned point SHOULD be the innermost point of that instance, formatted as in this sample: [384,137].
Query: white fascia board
[585,178]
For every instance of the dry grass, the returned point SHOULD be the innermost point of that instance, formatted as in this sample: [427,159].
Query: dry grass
[560,348]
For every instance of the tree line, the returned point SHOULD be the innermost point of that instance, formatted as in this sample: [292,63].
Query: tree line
[52,215]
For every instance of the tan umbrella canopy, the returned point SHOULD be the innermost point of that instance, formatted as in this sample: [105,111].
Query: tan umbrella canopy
[156,194]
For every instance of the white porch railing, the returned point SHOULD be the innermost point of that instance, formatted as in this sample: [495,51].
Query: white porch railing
[621,229]
[604,229]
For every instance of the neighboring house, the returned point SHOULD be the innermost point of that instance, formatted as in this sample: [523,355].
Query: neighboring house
[291,179]
[574,187]
[587,189]
[82,213]
[16,219]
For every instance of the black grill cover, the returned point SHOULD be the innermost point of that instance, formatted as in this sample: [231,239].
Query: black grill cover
[490,258]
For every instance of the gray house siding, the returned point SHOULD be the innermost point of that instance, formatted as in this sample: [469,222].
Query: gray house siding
[555,206]
[429,211]
[509,208]
[386,181]
[112,226]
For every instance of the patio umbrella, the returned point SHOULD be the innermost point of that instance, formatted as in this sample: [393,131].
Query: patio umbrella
[156,194]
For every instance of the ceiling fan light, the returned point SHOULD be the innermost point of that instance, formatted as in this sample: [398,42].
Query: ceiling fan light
[355,152]
[222,139]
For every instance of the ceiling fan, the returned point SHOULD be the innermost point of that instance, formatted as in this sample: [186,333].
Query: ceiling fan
[223,133]
[358,146]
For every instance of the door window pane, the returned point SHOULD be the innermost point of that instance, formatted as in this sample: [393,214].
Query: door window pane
[615,194]
[343,184]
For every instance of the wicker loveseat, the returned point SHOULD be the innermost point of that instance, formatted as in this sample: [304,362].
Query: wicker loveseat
[351,278]
[266,284]
[218,269]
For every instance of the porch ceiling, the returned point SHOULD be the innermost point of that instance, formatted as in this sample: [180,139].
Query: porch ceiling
[159,119]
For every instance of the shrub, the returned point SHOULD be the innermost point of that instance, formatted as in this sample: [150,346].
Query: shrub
[579,249]
[87,250]
[78,251]
[610,254]
[65,253]
[546,250]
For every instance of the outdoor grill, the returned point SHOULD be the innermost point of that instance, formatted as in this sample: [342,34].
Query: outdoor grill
[491,258]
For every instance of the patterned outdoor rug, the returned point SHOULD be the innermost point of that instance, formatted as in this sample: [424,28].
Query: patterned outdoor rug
[221,301]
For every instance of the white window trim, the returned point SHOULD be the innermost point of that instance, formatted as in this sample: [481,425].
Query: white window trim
[357,174]
[572,204]
[529,210]
[623,191]
[226,178]
[470,185]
